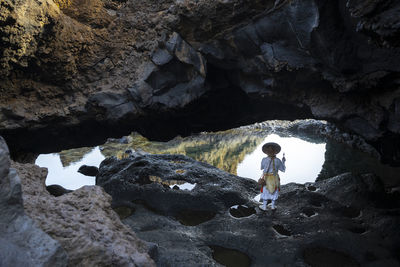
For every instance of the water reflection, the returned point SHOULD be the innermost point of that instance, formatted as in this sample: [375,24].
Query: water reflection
[174,184]
[237,151]
[304,160]
[69,177]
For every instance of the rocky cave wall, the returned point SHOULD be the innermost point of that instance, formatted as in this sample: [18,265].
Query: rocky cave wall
[75,72]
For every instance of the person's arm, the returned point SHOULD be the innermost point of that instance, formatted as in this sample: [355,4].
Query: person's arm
[263,164]
[281,165]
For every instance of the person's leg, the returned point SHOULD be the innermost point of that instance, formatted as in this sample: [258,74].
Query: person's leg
[264,204]
[273,204]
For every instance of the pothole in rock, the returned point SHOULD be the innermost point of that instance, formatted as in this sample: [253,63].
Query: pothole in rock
[194,217]
[357,229]
[230,257]
[309,212]
[320,256]
[173,184]
[315,203]
[311,188]
[281,230]
[348,212]
[123,211]
[240,211]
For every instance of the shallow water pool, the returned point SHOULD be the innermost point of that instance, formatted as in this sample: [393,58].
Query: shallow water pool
[304,160]
[68,176]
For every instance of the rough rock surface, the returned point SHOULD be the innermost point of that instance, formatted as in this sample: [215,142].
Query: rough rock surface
[22,242]
[347,220]
[94,69]
[82,222]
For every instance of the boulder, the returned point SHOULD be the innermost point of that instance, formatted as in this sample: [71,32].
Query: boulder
[22,242]
[82,221]
[57,190]
[88,170]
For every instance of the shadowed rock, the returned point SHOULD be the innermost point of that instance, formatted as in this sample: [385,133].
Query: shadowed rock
[230,257]
[22,242]
[57,190]
[185,223]
[88,170]
[168,68]
[320,256]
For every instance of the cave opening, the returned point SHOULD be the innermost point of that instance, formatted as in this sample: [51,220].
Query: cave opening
[309,145]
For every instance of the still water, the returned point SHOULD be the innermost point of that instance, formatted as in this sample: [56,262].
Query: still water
[304,159]
[68,176]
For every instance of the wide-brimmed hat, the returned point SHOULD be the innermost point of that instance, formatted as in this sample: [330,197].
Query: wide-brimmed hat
[274,146]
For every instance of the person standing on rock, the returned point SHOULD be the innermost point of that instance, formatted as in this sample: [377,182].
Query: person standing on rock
[270,180]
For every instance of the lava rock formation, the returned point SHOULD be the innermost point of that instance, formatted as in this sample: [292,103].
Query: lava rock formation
[347,220]
[75,72]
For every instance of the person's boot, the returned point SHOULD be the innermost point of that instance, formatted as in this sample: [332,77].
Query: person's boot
[264,205]
[273,207]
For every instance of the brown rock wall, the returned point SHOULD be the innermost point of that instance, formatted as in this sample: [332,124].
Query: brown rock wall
[105,68]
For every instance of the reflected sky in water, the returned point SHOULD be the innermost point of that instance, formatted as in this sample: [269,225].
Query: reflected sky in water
[304,163]
[304,160]
[69,177]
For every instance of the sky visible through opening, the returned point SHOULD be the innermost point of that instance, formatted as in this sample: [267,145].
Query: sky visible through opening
[69,177]
[304,162]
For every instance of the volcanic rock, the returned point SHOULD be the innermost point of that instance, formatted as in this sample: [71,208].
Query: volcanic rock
[82,222]
[346,218]
[57,190]
[22,242]
[74,74]
[88,170]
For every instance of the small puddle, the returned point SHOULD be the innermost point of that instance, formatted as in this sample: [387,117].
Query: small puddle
[173,184]
[315,203]
[240,211]
[309,212]
[184,186]
[281,230]
[194,217]
[311,188]
[63,167]
[230,257]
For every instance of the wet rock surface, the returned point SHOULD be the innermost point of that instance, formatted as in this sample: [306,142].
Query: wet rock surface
[74,74]
[345,218]
[22,242]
